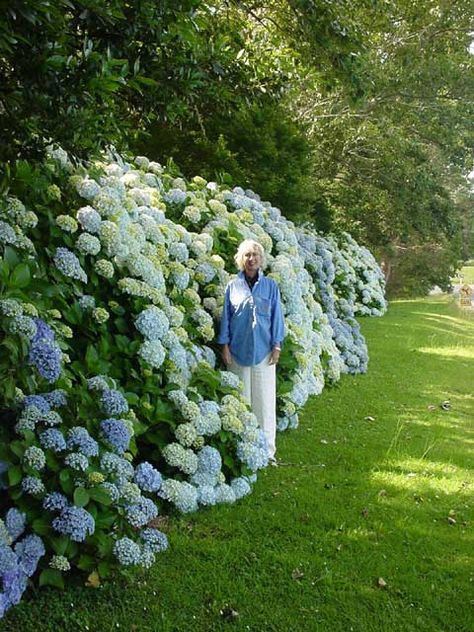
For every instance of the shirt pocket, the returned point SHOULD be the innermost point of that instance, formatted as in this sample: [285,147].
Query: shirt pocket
[263,306]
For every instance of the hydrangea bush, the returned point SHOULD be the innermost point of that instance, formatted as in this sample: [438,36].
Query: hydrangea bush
[115,407]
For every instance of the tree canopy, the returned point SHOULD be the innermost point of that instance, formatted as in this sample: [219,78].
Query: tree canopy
[350,115]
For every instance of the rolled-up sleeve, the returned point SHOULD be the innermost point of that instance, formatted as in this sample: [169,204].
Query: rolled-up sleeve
[224,334]
[277,324]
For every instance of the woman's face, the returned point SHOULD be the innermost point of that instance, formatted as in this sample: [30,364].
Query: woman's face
[252,261]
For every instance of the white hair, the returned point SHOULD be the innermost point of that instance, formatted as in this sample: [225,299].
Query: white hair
[244,247]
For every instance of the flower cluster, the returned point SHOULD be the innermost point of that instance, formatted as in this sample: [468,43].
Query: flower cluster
[18,561]
[141,266]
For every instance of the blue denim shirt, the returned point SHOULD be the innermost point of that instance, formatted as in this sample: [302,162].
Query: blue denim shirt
[252,321]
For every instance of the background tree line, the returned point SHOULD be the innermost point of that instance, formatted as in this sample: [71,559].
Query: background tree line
[348,115]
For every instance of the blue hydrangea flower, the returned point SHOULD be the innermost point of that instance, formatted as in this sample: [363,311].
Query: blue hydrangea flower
[34,457]
[182,494]
[55,501]
[53,439]
[77,461]
[127,552]
[75,522]
[45,354]
[116,433]
[209,460]
[175,196]
[79,439]
[8,560]
[113,402]
[67,263]
[29,552]
[241,487]
[154,540]
[15,523]
[112,491]
[207,495]
[147,477]
[153,353]
[152,323]
[139,514]
[97,383]
[56,398]
[32,485]
[115,464]
[39,401]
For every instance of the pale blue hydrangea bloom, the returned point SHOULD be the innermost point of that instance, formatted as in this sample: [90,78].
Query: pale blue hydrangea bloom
[112,491]
[44,352]
[140,513]
[77,461]
[180,493]
[152,323]
[15,523]
[89,219]
[29,551]
[56,398]
[147,477]
[154,540]
[241,487]
[87,188]
[97,383]
[40,402]
[55,501]
[32,485]
[10,307]
[67,263]
[113,402]
[225,494]
[86,302]
[79,439]
[87,244]
[181,458]
[127,552]
[153,353]
[34,457]
[115,464]
[129,492]
[23,326]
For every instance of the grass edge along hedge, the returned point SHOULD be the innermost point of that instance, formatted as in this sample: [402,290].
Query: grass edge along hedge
[114,408]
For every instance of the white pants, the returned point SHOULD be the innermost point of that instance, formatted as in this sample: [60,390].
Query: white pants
[260,391]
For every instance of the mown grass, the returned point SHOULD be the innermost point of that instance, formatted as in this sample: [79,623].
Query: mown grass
[377,485]
[465,275]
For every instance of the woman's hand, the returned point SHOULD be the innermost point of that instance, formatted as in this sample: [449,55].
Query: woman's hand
[274,356]
[226,357]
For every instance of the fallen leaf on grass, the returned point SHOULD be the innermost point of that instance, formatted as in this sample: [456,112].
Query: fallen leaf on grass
[161,522]
[325,441]
[93,581]
[381,583]
[364,512]
[369,418]
[431,407]
[382,492]
[297,574]
[228,613]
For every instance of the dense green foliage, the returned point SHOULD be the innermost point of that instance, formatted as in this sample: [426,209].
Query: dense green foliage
[354,114]
[380,488]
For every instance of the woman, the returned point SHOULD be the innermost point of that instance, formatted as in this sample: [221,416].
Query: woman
[251,333]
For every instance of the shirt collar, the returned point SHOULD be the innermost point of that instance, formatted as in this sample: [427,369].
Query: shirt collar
[241,275]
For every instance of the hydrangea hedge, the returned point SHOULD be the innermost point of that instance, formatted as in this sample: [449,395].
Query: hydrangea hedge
[114,408]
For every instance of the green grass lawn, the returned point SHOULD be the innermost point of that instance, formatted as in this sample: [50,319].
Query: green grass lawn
[467,274]
[367,527]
